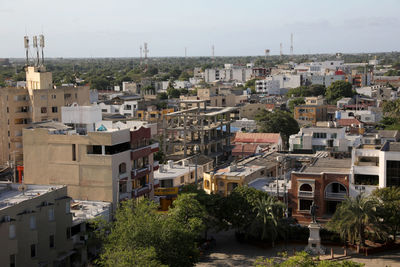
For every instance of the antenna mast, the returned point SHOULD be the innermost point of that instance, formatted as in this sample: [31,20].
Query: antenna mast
[41,42]
[291,44]
[141,55]
[26,44]
[281,51]
[185,52]
[212,52]
[35,45]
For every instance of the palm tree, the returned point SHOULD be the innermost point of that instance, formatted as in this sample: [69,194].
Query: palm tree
[270,211]
[353,216]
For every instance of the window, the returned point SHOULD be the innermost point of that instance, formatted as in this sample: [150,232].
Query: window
[104,110]
[207,184]
[54,109]
[12,260]
[43,110]
[365,179]
[43,97]
[8,110]
[51,214]
[73,152]
[122,168]
[67,96]
[334,135]
[53,96]
[32,222]
[393,173]
[51,241]
[306,187]
[128,107]
[12,231]
[182,179]
[33,250]
[319,135]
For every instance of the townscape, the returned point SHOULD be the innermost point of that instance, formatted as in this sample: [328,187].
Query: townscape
[153,161]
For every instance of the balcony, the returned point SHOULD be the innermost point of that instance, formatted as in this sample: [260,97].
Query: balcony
[155,147]
[339,196]
[306,193]
[156,165]
[142,191]
[138,173]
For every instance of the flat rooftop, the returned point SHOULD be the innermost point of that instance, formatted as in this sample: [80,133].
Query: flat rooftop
[168,173]
[391,147]
[83,210]
[329,165]
[12,194]
[268,184]
[240,170]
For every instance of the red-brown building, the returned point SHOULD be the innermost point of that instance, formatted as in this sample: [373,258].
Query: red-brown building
[143,163]
[325,182]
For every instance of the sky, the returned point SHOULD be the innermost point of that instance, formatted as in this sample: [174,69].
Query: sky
[117,28]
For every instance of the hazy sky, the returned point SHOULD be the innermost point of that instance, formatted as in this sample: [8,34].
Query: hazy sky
[116,28]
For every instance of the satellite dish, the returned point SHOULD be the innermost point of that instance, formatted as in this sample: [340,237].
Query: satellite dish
[22,188]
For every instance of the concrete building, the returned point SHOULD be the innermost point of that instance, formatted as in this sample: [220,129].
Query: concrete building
[35,225]
[315,101]
[207,129]
[124,105]
[267,141]
[229,73]
[268,87]
[106,165]
[310,114]
[250,110]
[375,167]
[314,139]
[40,101]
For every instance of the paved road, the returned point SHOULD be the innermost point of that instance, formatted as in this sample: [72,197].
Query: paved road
[229,252]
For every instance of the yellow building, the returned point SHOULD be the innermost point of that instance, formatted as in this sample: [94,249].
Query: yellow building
[39,101]
[223,181]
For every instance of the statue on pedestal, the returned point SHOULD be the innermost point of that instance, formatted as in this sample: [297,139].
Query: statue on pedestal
[314,241]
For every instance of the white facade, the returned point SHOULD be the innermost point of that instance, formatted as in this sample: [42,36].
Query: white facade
[366,116]
[320,138]
[268,86]
[228,74]
[133,125]
[128,108]
[370,168]
[81,115]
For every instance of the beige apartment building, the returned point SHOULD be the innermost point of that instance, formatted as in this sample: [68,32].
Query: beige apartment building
[39,101]
[35,225]
[96,166]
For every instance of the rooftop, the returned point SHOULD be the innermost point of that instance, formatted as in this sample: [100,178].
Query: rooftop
[329,165]
[164,172]
[239,170]
[268,184]
[83,210]
[257,137]
[13,194]
[391,147]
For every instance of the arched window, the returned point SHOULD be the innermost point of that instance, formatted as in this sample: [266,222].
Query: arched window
[306,187]
[122,168]
[207,184]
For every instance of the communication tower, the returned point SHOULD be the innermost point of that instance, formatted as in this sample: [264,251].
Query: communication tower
[291,44]
[26,44]
[281,49]
[41,42]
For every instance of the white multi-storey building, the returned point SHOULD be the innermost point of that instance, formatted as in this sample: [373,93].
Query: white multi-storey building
[322,138]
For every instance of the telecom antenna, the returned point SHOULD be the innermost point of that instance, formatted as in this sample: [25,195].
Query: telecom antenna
[145,51]
[26,44]
[41,42]
[212,52]
[291,44]
[35,45]
[281,49]
[141,55]
[185,52]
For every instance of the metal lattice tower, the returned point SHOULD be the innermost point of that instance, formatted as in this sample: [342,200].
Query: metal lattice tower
[291,44]
[41,43]
[281,50]
[26,44]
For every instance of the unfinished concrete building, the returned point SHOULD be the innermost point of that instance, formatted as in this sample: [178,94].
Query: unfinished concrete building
[198,130]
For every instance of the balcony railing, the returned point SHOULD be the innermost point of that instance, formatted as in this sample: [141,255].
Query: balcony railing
[141,191]
[306,193]
[335,195]
[137,173]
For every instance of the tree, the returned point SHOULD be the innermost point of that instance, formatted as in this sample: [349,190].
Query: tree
[305,91]
[173,93]
[277,122]
[162,96]
[389,208]
[270,211]
[338,90]
[295,102]
[353,216]
[251,84]
[142,237]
